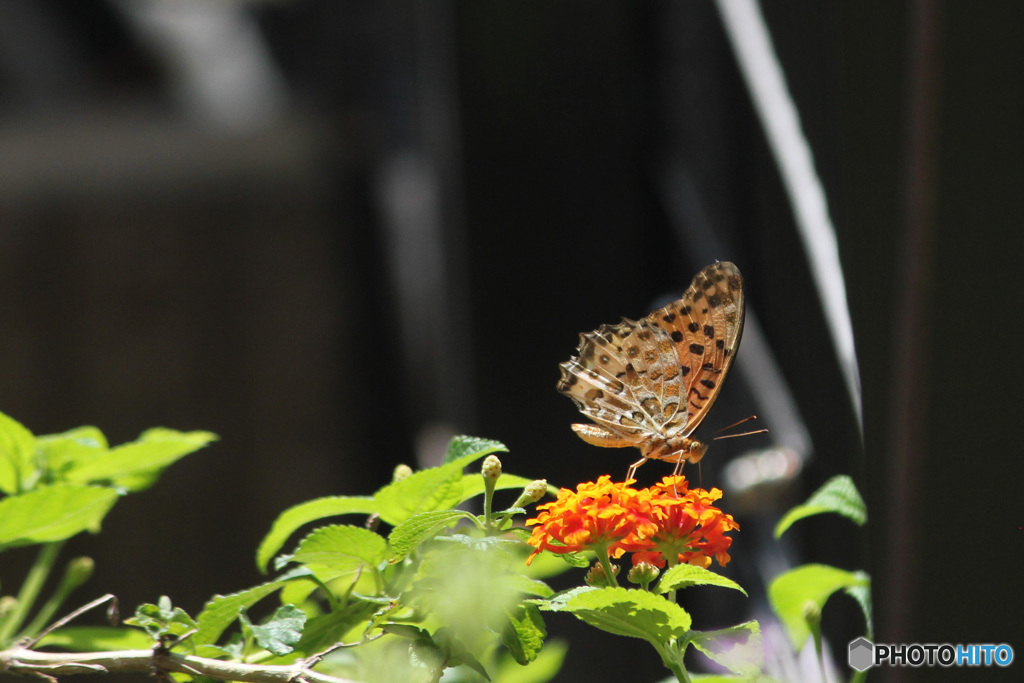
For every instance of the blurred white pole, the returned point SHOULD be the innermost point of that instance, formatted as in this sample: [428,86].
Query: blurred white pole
[751,42]
[221,69]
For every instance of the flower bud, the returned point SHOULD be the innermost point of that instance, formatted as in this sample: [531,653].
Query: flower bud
[79,571]
[595,576]
[643,573]
[400,473]
[491,468]
[812,614]
[532,492]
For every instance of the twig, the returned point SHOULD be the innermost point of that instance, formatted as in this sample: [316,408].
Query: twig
[24,661]
[65,619]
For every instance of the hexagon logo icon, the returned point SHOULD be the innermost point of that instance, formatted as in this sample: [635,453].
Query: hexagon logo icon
[862,654]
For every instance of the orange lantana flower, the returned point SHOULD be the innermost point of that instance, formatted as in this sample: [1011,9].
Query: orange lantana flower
[666,523]
[690,528]
[601,516]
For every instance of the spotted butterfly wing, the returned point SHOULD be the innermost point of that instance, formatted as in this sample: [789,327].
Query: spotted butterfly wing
[650,383]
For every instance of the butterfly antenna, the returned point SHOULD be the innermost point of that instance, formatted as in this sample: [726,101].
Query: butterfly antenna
[736,424]
[730,436]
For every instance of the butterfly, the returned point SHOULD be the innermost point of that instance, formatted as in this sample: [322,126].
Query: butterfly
[650,383]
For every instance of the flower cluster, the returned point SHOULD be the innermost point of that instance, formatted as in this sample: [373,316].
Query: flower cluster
[668,523]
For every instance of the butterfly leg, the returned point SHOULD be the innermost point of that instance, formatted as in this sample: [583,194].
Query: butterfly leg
[678,470]
[632,468]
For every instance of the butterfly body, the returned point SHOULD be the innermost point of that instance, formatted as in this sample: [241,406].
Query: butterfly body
[650,383]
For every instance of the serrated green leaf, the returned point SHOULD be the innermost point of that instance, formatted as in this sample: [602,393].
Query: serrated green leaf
[461,446]
[406,536]
[337,550]
[292,519]
[524,635]
[223,610]
[437,488]
[630,612]
[136,465]
[793,592]
[162,619]
[53,513]
[558,601]
[839,495]
[17,449]
[862,594]
[686,575]
[97,639]
[737,648]
[282,631]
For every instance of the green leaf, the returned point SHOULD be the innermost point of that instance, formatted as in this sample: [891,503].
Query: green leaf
[528,586]
[328,629]
[340,549]
[162,619]
[17,449]
[406,536]
[437,488]
[524,635]
[629,612]
[462,446]
[540,670]
[97,639]
[737,648]
[686,575]
[862,594]
[53,513]
[838,495]
[558,601]
[547,565]
[289,521]
[407,631]
[223,610]
[282,631]
[59,452]
[456,652]
[136,465]
[793,593]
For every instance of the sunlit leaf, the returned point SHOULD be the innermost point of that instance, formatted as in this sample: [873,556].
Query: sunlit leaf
[53,513]
[809,586]
[838,495]
[292,519]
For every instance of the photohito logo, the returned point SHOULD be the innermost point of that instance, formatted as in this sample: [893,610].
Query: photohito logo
[863,654]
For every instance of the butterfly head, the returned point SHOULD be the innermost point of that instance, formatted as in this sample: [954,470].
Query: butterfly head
[696,452]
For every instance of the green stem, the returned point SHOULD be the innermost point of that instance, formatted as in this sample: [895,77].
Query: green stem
[34,581]
[606,564]
[816,633]
[672,658]
[489,503]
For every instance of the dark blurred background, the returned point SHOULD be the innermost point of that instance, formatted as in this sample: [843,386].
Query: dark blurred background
[337,233]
